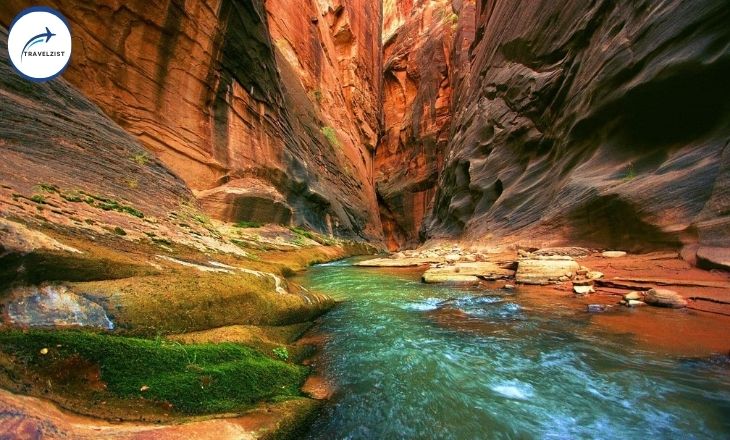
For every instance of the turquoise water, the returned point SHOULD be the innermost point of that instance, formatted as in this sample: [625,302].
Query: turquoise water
[402,371]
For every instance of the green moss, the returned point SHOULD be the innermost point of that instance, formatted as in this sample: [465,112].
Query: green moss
[119,231]
[281,353]
[72,197]
[112,205]
[48,187]
[38,199]
[246,224]
[302,232]
[331,135]
[195,379]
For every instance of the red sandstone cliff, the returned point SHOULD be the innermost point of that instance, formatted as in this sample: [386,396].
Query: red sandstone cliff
[418,40]
[202,86]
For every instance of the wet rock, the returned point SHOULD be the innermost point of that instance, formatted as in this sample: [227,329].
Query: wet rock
[665,298]
[633,296]
[596,308]
[545,271]
[466,273]
[613,254]
[54,306]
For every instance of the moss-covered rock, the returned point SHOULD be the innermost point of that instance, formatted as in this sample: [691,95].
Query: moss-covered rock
[190,379]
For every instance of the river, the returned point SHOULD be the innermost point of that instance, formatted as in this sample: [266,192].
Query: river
[486,365]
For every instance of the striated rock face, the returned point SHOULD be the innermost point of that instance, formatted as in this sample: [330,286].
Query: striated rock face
[52,135]
[604,123]
[201,85]
[418,39]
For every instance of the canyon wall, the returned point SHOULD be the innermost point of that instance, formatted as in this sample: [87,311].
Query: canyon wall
[601,123]
[419,38]
[261,131]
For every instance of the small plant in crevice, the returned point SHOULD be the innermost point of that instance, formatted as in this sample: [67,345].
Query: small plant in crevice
[119,231]
[331,135]
[73,197]
[141,159]
[281,352]
[47,187]
[37,198]
[630,173]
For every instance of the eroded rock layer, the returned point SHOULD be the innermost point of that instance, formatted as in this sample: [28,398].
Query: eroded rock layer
[603,123]
[202,86]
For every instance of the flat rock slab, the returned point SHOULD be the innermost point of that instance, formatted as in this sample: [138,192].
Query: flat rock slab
[471,272]
[545,271]
[614,254]
[570,251]
[398,262]
[714,257]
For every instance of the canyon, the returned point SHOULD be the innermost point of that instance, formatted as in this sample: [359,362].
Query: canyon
[213,149]
[492,122]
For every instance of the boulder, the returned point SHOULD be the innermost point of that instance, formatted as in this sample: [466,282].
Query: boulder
[713,257]
[665,298]
[466,273]
[545,271]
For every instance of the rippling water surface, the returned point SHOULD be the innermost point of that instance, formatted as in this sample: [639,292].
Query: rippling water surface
[417,361]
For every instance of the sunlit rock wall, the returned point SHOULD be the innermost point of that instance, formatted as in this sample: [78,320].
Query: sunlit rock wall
[201,84]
